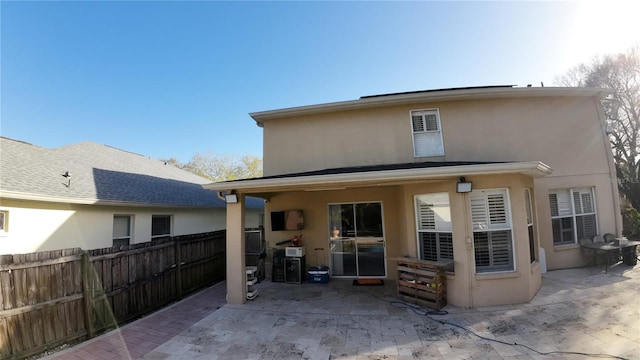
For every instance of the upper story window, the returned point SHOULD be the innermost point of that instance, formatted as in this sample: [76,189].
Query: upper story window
[573,215]
[427,134]
[160,225]
[121,230]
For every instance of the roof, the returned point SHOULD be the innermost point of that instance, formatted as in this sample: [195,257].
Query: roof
[424,96]
[377,175]
[100,174]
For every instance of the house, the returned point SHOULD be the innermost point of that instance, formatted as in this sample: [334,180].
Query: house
[501,180]
[91,196]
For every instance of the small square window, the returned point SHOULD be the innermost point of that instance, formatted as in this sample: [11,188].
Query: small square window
[121,230]
[160,225]
[4,221]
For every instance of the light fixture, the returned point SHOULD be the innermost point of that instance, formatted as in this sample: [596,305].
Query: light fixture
[463,186]
[231,198]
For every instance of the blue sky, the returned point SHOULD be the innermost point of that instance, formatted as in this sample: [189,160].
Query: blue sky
[171,79]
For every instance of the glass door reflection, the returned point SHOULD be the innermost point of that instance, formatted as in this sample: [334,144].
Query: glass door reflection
[357,244]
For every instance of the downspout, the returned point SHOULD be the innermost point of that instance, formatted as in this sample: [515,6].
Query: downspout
[469,245]
[613,177]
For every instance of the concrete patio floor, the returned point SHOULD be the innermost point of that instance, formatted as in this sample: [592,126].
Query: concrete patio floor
[577,310]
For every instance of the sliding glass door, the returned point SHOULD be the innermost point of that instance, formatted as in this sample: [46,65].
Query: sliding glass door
[357,243]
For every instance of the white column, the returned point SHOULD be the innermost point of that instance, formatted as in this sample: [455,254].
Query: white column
[236,277]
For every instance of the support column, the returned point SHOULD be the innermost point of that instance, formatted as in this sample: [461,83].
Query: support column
[236,277]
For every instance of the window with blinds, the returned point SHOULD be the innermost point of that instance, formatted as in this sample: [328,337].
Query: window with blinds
[427,134]
[573,215]
[492,232]
[121,230]
[433,217]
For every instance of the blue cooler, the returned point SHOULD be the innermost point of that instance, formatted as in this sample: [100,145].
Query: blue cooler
[318,274]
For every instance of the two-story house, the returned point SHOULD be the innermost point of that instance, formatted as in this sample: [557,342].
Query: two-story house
[484,176]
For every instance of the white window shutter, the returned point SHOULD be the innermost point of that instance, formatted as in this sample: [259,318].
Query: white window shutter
[497,209]
[427,217]
[418,124]
[563,203]
[478,211]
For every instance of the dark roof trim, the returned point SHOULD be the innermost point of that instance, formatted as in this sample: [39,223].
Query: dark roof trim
[387,167]
[439,90]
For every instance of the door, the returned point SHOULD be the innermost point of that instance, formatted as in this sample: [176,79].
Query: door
[357,244]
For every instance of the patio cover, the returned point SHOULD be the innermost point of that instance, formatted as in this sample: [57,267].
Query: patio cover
[376,175]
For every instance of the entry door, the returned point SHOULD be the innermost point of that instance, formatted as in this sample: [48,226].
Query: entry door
[357,243]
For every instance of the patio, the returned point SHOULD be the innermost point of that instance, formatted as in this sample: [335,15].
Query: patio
[579,310]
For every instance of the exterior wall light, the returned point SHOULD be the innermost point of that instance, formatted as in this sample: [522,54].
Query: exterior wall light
[463,186]
[231,198]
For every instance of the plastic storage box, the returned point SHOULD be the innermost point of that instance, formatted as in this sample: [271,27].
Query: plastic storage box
[318,274]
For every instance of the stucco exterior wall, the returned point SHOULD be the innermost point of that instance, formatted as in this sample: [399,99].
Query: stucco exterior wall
[564,133]
[464,287]
[42,226]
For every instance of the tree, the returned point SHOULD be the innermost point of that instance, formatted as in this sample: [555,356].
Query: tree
[218,167]
[621,74]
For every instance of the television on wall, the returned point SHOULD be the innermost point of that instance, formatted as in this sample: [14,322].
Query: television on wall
[287,220]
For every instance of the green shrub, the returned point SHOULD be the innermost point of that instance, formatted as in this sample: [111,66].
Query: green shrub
[632,219]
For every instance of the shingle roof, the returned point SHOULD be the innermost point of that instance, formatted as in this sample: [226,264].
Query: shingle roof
[101,173]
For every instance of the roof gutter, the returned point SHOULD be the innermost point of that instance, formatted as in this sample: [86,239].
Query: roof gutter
[532,168]
[79,201]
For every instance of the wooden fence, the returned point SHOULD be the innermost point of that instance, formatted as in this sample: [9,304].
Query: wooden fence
[54,297]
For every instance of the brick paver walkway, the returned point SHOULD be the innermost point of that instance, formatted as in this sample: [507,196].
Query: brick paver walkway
[140,337]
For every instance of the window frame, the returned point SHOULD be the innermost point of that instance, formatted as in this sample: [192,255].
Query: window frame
[423,112]
[492,229]
[528,203]
[447,230]
[5,222]
[573,215]
[170,219]
[119,240]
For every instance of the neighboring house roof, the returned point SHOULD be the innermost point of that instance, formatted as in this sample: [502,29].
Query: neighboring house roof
[330,179]
[100,174]
[414,97]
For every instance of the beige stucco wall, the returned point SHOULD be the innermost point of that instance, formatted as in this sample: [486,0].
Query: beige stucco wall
[564,133]
[464,287]
[42,226]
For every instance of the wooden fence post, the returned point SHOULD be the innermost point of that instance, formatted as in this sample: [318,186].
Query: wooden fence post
[178,268]
[87,289]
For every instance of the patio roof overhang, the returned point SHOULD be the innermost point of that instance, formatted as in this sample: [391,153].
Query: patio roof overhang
[339,179]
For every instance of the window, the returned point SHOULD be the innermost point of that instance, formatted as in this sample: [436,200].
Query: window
[529,210]
[427,135]
[435,240]
[492,234]
[160,225]
[121,230]
[573,215]
[4,222]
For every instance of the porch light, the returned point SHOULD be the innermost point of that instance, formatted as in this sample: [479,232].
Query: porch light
[463,186]
[231,198]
